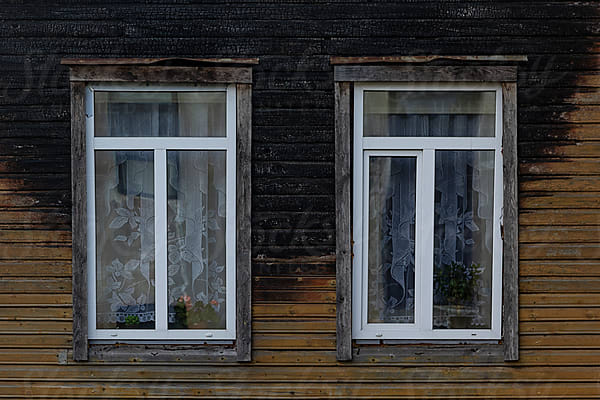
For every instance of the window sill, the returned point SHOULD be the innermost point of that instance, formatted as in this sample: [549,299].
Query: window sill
[122,352]
[411,353]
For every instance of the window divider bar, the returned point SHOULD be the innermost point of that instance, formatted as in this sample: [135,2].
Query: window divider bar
[141,143]
[426,212]
[160,240]
[440,143]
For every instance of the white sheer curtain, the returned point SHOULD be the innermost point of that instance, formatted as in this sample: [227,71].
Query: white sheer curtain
[463,219]
[196,207]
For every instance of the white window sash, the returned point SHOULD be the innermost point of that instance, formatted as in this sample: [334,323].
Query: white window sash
[424,149]
[160,146]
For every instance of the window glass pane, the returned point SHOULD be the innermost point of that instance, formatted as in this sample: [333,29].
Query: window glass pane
[463,239]
[391,253]
[124,239]
[429,113]
[137,113]
[196,216]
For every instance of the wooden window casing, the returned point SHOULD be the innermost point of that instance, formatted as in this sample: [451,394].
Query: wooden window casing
[84,72]
[345,76]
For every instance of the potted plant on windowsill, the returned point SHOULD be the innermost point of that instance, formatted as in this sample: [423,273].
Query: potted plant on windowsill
[197,316]
[456,286]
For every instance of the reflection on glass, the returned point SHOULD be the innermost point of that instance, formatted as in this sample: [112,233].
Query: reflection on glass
[196,239]
[137,113]
[429,113]
[391,254]
[124,239]
[463,239]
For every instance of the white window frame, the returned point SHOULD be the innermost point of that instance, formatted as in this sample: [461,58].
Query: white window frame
[424,149]
[160,146]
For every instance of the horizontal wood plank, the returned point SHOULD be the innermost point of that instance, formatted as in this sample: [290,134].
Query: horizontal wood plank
[161,74]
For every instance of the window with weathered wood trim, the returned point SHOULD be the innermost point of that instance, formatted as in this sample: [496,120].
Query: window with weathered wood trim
[411,127]
[161,208]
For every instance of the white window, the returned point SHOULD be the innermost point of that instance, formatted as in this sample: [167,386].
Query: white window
[427,209]
[161,189]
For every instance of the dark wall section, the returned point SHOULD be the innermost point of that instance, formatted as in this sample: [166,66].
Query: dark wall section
[293,204]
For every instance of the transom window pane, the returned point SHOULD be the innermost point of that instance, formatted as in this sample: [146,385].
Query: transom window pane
[125,240]
[196,239]
[391,264]
[135,113]
[463,239]
[429,113]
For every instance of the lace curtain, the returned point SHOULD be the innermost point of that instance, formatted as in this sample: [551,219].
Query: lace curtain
[196,206]
[463,224]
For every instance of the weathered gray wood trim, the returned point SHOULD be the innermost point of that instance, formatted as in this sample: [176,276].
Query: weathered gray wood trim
[430,353]
[160,74]
[410,73]
[335,60]
[150,61]
[343,208]
[79,222]
[79,77]
[161,353]
[243,201]
[510,315]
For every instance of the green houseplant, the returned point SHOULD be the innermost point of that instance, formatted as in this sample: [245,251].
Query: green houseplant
[456,282]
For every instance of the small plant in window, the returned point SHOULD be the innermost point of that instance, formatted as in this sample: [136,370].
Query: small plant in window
[457,282]
[197,316]
[132,320]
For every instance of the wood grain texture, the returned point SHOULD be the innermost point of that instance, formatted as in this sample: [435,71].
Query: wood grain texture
[243,225]
[423,59]
[510,217]
[424,74]
[79,221]
[162,353]
[149,61]
[294,198]
[161,74]
[343,208]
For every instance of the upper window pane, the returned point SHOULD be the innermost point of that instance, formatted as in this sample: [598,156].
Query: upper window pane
[136,113]
[429,113]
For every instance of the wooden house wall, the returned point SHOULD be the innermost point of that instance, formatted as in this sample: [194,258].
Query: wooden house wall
[293,215]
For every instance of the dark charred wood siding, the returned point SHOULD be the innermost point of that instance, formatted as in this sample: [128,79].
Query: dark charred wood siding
[293,204]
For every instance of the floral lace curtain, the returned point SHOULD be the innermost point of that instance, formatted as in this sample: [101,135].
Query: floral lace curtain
[196,207]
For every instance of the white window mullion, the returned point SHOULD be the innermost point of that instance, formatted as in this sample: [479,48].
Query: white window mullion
[426,211]
[91,211]
[359,293]
[160,238]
